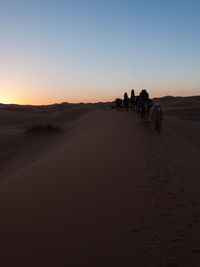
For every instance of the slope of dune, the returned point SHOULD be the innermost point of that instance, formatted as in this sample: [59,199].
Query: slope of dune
[19,149]
[183,107]
[113,194]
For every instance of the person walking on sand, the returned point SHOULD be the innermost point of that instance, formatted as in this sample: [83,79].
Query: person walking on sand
[157,117]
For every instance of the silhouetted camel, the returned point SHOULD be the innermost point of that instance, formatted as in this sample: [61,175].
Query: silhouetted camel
[138,104]
[118,103]
[145,111]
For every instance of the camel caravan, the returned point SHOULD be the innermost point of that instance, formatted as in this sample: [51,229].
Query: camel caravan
[143,106]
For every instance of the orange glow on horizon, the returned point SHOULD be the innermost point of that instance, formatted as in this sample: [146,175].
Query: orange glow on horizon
[7,99]
[31,97]
[58,101]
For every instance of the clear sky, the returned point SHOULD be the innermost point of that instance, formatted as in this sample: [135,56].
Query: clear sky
[94,50]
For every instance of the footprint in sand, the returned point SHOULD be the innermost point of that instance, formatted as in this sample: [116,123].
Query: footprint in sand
[169,156]
[156,206]
[148,168]
[171,263]
[152,178]
[195,250]
[143,251]
[183,180]
[181,191]
[177,240]
[179,206]
[170,160]
[163,214]
[150,154]
[171,196]
[145,191]
[134,191]
[161,165]
[137,230]
[181,234]
[175,249]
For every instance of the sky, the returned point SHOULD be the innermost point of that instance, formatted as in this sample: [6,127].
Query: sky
[54,51]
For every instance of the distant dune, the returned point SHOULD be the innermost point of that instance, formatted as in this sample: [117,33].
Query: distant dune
[183,107]
[106,190]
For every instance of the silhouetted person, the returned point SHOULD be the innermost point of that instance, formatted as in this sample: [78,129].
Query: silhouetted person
[144,95]
[132,94]
[157,117]
[145,103]
[126,101]
[132,100]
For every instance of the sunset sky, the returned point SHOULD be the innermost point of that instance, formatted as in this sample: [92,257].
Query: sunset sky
[94,50]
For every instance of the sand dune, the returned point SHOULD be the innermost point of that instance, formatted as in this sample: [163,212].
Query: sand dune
[183,107]
[108,192]
[19,149]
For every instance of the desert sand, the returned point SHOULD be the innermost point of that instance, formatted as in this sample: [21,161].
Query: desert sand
[105,190]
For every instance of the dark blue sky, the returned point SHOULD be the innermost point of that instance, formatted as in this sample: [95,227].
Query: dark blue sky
[56,50]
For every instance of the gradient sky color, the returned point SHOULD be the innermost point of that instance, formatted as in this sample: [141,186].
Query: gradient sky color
[94,50]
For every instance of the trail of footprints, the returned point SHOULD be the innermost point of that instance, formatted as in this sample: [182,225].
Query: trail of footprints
[165,194]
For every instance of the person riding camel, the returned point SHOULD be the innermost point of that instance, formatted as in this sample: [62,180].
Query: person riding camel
[125,96]
[126,101]
[144,95]
[132,95]
[145,98]
[132,99]
[146,103]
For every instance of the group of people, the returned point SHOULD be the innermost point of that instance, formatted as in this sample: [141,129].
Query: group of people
[141,104]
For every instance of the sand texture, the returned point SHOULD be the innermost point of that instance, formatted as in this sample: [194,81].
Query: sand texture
[105,190]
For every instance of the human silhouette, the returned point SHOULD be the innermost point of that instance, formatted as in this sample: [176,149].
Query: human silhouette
[144,95]
[132,100]
[157,117]
[126,101]
[145,104]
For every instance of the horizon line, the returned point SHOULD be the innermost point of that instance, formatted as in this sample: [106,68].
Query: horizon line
[81,102]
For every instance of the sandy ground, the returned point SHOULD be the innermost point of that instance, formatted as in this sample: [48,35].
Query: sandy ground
[19,149]
[108,191]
